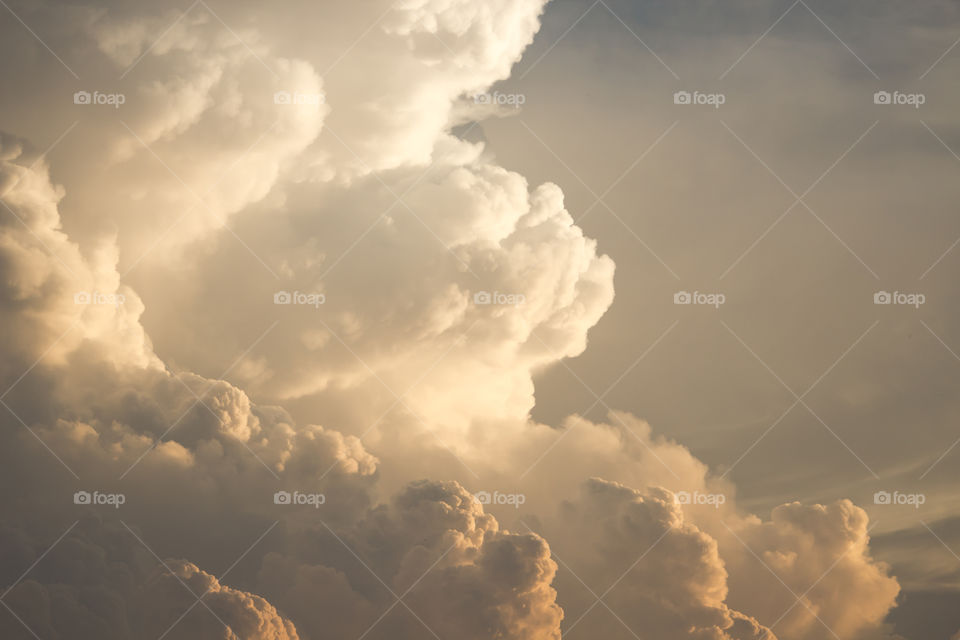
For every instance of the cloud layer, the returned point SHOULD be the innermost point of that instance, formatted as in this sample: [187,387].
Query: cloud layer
[145,354]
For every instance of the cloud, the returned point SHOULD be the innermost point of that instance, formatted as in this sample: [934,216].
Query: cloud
[457,573]
[246,615]
[656,572]
[51,292]
[821,553]
[418,304]
[447,282]
[226,184]
[100,582]
[728,564]
[107,417]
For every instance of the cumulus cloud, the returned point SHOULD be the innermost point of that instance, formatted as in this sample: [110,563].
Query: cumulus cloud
[225,184]
[205,438]
[821,553]
[417,308]
[231,614]
[658,574]
[50,290]
[456,572]
[99,582]
[738,566]
[130,294]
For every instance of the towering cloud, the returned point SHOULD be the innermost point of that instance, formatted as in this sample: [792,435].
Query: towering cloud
[270,226]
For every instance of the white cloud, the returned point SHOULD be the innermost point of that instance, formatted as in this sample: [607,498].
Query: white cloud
[400,280]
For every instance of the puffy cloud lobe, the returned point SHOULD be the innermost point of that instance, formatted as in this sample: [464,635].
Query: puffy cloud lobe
[488,37]
[201,133]
[247,616]
[822,553]
[50,290]
[198,136]
[411,309]
[421,58]
[662,576]
[99,583]
[83,385]
[457,571]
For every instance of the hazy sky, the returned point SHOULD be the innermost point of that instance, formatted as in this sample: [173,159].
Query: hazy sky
[479,319]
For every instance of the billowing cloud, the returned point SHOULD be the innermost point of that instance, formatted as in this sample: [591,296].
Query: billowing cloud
[245,231]
[656,572]
[803,571]
[829,580]
[500,283]
[99,582]
[454,570]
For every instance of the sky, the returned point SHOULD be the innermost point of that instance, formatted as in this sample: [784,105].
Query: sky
[479,319]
